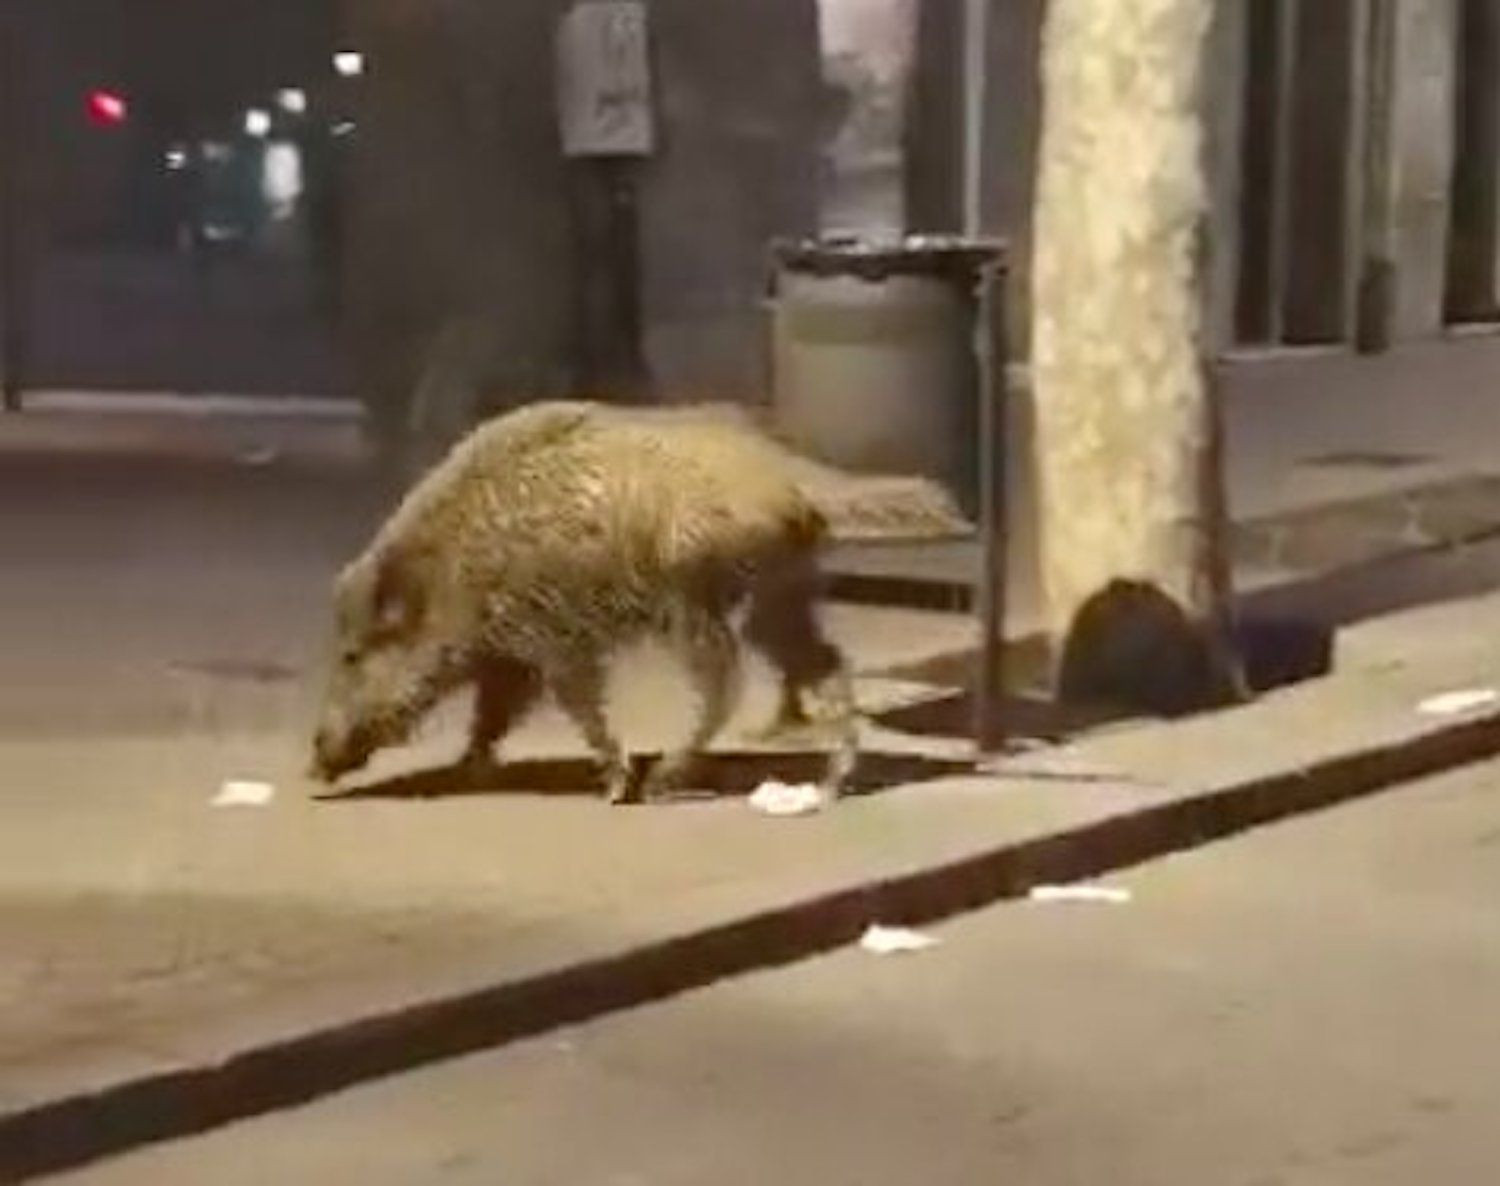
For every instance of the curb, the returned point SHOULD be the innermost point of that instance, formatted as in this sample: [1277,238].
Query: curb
[1306,544]
[291,406]
[73,1131]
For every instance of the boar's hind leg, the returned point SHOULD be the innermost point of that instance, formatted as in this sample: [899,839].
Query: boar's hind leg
[712,657]
[506,690]
[580,687]
[783,625]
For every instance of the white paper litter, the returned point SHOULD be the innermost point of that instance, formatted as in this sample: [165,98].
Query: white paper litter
[1048,764]
[259,455]
[1452,704]
[895,940]
[1080,893]
[780,798]
[236,793]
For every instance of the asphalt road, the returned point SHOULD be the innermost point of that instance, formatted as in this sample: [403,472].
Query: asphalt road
[1309,1005]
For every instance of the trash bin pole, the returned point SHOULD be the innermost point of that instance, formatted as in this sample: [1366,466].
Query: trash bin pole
[993,396]
[980,270]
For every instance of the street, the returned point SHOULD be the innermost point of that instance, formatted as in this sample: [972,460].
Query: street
[1182,758]
[1307,1004]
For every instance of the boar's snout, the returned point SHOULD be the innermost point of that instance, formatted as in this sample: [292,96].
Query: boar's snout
[334,755]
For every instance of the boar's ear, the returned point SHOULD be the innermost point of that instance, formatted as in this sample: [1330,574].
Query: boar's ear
[397,601]
[353,602]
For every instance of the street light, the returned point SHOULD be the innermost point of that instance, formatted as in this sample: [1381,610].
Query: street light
[106,108]
[257,122]
[292,100]
[349,63]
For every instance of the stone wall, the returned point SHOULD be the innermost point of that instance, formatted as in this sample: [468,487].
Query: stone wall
[1422,161]
[740,92]
[461,198]
[457,193]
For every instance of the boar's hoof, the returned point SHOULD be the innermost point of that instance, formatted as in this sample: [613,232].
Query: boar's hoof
[620,790]
[478,766]
[667,776]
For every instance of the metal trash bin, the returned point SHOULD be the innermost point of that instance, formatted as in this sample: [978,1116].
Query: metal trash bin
[873,353]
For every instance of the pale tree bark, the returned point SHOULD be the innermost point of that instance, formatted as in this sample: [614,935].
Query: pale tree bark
[1129,439]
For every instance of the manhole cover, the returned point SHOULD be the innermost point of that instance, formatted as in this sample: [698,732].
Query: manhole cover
[242,670]
[1373,459]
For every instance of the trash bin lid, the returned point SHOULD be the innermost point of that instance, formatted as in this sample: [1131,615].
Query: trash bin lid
[940,256]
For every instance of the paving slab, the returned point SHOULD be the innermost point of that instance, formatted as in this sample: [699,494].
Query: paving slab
[171,965]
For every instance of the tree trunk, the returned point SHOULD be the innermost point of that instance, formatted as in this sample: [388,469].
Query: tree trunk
[1129,455]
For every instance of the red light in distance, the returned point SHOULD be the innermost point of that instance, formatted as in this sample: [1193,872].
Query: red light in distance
[106,108]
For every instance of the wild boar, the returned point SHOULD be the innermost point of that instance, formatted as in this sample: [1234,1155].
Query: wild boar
[549,538]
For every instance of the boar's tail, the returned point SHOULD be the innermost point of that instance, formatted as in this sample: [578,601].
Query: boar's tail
[808,527]
[853,506]
[874,507]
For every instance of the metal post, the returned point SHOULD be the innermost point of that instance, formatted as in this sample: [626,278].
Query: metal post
[1281,170]
[610,353]
[976,44]
[1377,267]
[993,384]
[12,267]
[626,347]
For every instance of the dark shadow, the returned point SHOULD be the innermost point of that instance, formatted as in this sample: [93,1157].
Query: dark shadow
[1273,651]
[1377,588]
[1277,652]
[1283,635]
[1030,716]
[1283,629]
[718,775]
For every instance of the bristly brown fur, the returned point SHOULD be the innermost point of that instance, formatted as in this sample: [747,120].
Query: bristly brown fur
[857,506]
[550,537]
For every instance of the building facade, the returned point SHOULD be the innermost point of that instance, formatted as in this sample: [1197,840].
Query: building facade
[1351,145]
[1354,159]
[464,209]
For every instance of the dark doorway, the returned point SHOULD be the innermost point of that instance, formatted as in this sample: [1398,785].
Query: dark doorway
[1256,318]
[1299,190]
[1470,294]
[182,204]
[1317,302]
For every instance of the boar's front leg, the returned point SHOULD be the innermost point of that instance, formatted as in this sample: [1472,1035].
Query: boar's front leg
[507,689]
[784,626]
[580,687]
[712,655]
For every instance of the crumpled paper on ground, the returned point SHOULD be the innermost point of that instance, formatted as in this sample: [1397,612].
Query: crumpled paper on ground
[244,793]
[1452,704]
[1111,895]
[780,798]
[881,940]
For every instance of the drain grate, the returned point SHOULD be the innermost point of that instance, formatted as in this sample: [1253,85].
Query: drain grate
[254,671]
[1372,459]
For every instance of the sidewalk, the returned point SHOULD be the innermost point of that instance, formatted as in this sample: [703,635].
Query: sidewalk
[170,964]
[1323,449]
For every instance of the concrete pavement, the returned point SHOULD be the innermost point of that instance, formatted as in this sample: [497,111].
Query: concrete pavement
[1308,1005]
[1403,444]
[144,318]
[173,964]
[169,964]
